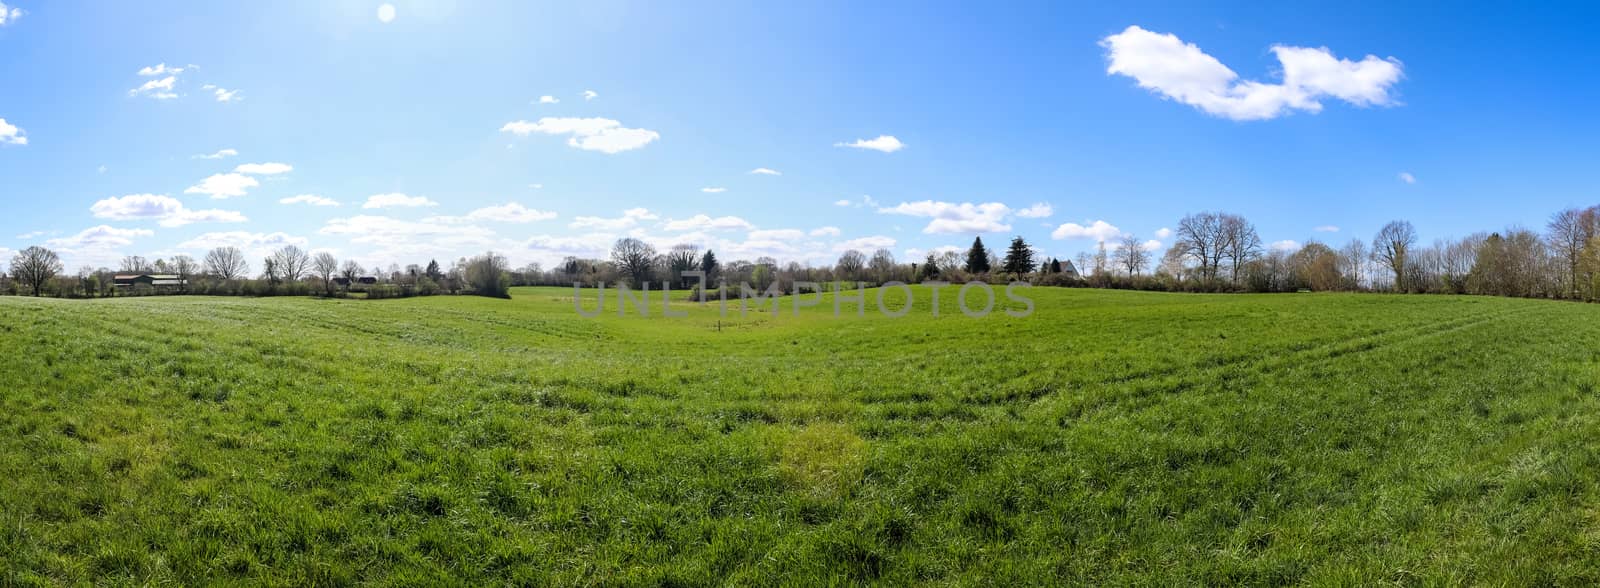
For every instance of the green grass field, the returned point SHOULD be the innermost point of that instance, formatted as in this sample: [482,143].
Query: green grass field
[1112,437]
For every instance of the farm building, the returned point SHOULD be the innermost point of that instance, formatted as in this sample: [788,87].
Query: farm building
[159,281]
[361,281]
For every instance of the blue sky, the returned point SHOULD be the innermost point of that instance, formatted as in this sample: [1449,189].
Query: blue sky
[994,109]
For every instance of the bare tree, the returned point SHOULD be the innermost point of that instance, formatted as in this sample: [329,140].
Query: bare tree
[882,265]
[850,265]
[325,266]
[1238,242]
[1354,256]
[635,259]
[1131,255]
[1570,233]
[134,264]
[1390,246]
[350,271]
[35,267]
[1200,237]
[292,263]
[226,263]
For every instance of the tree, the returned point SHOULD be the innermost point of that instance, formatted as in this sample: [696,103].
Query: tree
[682,258]
[1239,242]
[977,257]
[292,263]
[1389,248]
[710,267]
[488,275]
[433,272]
[850,265]
[1019,258]
[134,264]
[350,271]
[1131,255]
[226,263]
[635,259]
[34,267]
[325,266]
[270,271]
[1354,255]
[930,269]
[1198,238]
[1570,232]
[185,267]
[882,265]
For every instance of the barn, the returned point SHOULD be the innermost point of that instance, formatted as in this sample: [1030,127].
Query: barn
[157,281]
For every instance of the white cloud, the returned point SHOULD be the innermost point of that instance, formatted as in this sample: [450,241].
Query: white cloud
[1404,177]
[399,239]
[386,13]
[1040,210]
[549,100]
[589,134]
[264,169]
[701,222]
[1101,231]
[159,69]
[716,190]
[101,237]
[11,135]
[589,95]
[1286,245]
[1326,229]
[223,185]
[825,232]
[311,199]
[884,143]
[1151,245]
[254,244]
[763,171]
[776,235]
[159,207]
[842,202]
[506,213]
[9,15]
[536,186]
[220,154]
[865,244]
[33,235]
[589,245]
[161,89]
[397,200]
[1163,233]
[224,94]
[949,217]
[629,218]
[1180,71]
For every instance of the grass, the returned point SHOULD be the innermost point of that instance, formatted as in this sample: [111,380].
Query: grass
[1112,437]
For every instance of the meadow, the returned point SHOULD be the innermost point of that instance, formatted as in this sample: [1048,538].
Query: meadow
[1112,437]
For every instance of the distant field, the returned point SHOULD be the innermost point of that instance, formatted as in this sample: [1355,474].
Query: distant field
[1112,437]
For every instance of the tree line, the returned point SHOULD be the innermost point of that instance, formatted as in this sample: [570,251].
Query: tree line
[288,271]
[1211,252]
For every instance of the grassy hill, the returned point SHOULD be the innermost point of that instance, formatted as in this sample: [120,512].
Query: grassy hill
[1111,437]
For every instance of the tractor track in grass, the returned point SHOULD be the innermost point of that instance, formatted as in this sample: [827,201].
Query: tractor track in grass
[1262,363]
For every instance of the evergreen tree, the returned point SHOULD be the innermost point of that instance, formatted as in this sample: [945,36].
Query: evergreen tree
[1055,266]
[433,271]
[977,257]
[709,265]
[930,268]
[1019,258]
